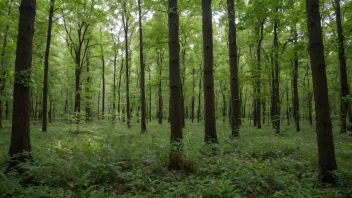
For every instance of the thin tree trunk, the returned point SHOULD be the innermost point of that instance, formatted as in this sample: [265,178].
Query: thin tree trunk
[126,26]
[193,98]
[327,161]
[295,84]
[2,62]
[20,147]
[276,85]
[199,93]
[209,103]
[119,90]
[46,67]
[142,75]
[257,107]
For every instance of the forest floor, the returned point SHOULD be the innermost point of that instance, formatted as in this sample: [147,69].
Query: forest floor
[110,160]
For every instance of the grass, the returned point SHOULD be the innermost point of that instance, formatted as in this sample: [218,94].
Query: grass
[110,160]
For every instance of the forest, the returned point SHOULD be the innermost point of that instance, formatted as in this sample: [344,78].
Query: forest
[168,98]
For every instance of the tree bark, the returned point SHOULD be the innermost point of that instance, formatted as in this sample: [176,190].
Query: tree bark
[193,98]
[327,162]
[235,99]
[295,84]
[257,102]
[343,71]
[209,105]
[175,87]
[46,67]
[20,147]
[276,85]
[142,74]
[126,27]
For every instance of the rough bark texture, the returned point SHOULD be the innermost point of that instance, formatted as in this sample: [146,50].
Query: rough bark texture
[142,74]
[175,87]
[46,67]
[209,106]
[327,162]
[235,100]
[20,137]
[343,71]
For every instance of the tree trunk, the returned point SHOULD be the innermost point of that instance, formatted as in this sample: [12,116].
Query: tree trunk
[103,81]
[46,67]
[88,97]
[175,88]
[142,75]
[295,84]
[209,104]
[126,26]
[150,98]
[235,100]
[257,102]
[193,98]
[276,85]
[199,93]
[2,62]
[20,147]
[343,71]
[327,162]
[119,91]
[114,90]
[160,102]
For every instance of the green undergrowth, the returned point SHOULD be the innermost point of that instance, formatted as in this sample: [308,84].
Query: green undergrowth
[110,160]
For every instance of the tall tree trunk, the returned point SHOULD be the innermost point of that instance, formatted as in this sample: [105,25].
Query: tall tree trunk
[46,67]
[114,90]
[126,26]
[119,91]
[235,99]
[193,97]
[343,71]
[295,84]
[257,104]
[142,75]
[276,85]
[150,97]
[103,81]
[160,102]
[199,93]
[175,87]
[183,87]
[209,103]
[88,97]
[327,162]
[20,147]
[2,61]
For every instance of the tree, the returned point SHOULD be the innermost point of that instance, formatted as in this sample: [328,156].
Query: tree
[296,113]
[2,62]
[142,74]
[126,24]
[209,106]
[345,106]
[235,100]
[175,86]
[20,147]
[46,67]
[326,150]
